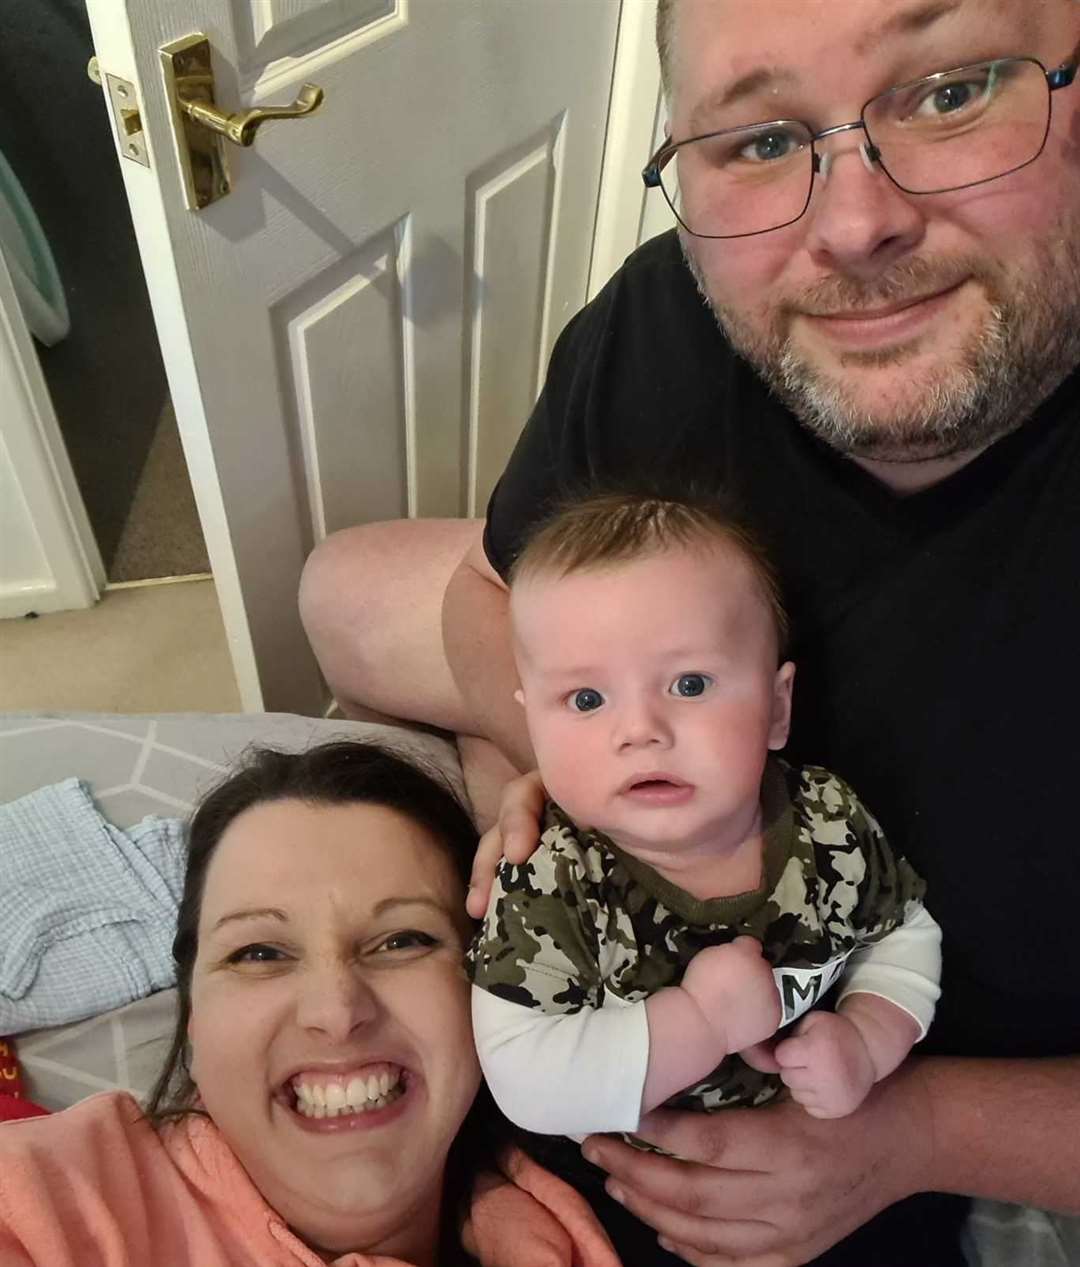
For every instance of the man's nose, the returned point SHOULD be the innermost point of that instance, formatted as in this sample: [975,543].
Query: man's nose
[335,999]
[641,723]
[859,223]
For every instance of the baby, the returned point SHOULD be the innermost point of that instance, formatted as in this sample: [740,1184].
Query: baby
[690,894]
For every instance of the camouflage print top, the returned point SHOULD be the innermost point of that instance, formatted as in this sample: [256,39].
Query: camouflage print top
[582,919]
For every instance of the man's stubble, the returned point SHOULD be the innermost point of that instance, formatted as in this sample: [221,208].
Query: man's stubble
[1027,343]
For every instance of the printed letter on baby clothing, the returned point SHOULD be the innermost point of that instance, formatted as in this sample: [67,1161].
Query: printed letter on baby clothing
[801,988]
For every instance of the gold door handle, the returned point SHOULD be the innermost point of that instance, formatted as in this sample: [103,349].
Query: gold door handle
[242,126]
[201,125]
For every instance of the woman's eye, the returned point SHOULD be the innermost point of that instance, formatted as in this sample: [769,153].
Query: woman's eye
[257,953]
[689,685]
[408,939]
[586,700]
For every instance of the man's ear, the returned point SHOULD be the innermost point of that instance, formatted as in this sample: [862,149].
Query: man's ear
[780,723]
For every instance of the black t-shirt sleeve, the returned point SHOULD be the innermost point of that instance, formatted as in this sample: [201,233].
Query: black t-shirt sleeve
[624,404]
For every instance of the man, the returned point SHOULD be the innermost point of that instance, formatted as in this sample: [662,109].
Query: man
[900,419]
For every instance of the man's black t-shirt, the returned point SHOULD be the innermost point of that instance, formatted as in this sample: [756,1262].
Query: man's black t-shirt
[935,638]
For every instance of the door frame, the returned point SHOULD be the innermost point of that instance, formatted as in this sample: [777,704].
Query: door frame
[623,218]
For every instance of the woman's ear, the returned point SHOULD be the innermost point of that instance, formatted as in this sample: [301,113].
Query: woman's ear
[780,723]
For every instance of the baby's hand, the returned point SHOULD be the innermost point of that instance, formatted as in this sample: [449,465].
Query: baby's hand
[826,1065]
[734,988]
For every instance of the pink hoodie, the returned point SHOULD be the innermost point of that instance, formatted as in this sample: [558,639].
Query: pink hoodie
[97,1186]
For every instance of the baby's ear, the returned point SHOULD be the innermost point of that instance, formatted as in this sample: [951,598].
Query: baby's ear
[781,713]
[519,695]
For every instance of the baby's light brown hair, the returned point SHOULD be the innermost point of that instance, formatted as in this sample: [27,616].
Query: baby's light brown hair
[602,529]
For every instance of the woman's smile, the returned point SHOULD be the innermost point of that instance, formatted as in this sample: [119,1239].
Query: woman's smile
[367,1097]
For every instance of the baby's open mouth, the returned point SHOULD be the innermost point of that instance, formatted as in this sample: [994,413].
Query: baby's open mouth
[341,1095]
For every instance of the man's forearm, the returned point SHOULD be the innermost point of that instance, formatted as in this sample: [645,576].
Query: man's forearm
[1005,1129]
[476,638]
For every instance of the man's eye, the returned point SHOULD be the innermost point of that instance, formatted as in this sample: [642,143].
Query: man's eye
[689,685]
[408,939]
[257,953]
[768,146]
[586,700]
[956,97]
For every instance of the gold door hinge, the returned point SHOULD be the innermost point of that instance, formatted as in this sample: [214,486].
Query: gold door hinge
[127,120]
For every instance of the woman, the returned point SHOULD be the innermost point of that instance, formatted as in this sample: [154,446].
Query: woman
[319,1103]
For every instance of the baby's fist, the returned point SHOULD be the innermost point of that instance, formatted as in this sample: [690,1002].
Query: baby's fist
[733,986]
[826,1065]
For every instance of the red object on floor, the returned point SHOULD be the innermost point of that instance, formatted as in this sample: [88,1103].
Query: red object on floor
[10,1074]
[12,1108]
[12,1104]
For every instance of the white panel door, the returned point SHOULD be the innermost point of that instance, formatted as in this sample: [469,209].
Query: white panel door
[357,331]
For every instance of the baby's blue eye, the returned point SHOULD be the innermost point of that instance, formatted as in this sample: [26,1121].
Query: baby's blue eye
[688,685]
[586,700]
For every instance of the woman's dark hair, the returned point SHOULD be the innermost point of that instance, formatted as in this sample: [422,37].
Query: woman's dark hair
[338,773]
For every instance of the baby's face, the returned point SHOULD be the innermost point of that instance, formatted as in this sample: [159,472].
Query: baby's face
[652,696]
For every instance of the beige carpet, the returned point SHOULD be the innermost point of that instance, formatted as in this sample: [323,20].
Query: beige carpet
[148,649]
[161,535]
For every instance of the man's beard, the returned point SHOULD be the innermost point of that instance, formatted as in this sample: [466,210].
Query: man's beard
[1028,342]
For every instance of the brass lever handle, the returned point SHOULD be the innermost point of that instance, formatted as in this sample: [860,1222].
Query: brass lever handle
[240,126]
[201,126]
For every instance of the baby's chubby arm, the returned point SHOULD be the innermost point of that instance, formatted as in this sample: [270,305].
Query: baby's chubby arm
[600,1069]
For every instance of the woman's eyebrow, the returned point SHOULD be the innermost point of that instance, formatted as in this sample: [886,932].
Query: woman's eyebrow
[257,912]
[389,903]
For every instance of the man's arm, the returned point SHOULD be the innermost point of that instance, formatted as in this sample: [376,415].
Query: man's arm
[1006,1129]
[476,638]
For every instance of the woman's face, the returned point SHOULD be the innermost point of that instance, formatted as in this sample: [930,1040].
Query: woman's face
[329,1025]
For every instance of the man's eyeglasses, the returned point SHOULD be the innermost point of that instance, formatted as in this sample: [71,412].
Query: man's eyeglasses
[946,131]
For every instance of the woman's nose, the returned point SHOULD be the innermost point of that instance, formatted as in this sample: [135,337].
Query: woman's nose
[335,1000]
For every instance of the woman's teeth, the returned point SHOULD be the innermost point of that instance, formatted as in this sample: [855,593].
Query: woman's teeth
[357,1095]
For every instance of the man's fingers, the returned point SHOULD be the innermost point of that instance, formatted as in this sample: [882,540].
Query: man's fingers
[519,817]
[681,1187]
[722,1241]
[515,835]
[485,863]
[737,1139]
[696,1258]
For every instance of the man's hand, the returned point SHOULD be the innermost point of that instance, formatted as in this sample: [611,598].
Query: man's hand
[515,835]
[826,1065]
[733,987]
[773,1186]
